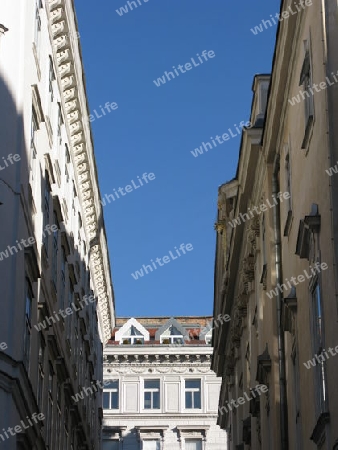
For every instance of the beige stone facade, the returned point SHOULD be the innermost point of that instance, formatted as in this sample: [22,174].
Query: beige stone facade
[276,260]
[57,302]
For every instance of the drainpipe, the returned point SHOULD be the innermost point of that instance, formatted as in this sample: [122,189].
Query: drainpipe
[280,332]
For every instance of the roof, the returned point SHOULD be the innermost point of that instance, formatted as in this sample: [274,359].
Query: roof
[192,327]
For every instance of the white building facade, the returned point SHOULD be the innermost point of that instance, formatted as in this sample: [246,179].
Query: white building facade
[160,393]
[56,290]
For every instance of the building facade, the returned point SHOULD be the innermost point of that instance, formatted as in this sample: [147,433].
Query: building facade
[276,250]
[56,290]
[160,393]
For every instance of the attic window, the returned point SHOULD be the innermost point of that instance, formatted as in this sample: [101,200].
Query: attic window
[171,336]
[132,337]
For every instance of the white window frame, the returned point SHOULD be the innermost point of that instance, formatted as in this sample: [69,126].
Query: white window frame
[192,391]
[132,340]
[172,339]
[152,440]
[193,439]
[318,346]
[151,390]
[208,337]
[113,390]
[37,27]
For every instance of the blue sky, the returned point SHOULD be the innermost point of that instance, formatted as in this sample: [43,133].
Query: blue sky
[154,129]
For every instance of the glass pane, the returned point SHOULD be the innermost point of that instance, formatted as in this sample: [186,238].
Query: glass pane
[156,400]
[112,385]
[114,400]
[147,400]
[196,384]
[151,445]
[197,399]
[152,384]
[188,400]
[106,400]
[111,445]
[193,444]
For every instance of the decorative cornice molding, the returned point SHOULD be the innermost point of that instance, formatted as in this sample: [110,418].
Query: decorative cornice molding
[72,90]
[158,360]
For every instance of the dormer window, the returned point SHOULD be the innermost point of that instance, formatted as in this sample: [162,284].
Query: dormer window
[208,338]
[132,337]
[172,336]
[132,333]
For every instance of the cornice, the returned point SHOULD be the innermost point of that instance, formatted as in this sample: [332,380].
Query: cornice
[69,73]
[117,351]
[156,360]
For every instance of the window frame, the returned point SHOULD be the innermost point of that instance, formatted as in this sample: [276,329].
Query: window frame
[195,440]
[158,443]
[55,250]
[172,339]
[37,27]
[306,80]
[318,346]
[50,404]
[151,391]
[110,391]
[46,211]
[192,391]
[28,323]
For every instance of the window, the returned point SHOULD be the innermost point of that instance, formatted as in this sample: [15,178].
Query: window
[63,276]
[41,374]
[208,338]
[66,433]
[28,324]
[67,162]
[263,240]
[70,301]
[193,444]
[58,417]
[111,445]
[55,251]
[172,340]
[50,88]
[46,212]
[111,395]
[132,337]
[171,336]
[67,154]
[50,404]
[37,27]
[193,394]
[34,129]
[318,348]
[60,123]
[307,95]
[151,394]
[288,179]
[151,444]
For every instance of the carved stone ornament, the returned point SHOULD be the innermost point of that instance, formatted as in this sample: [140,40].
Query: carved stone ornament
[81,149]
